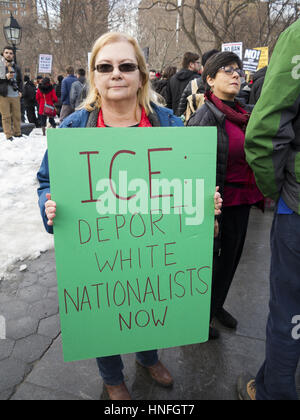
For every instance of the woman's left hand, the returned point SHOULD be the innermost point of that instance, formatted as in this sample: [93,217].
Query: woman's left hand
[218,202]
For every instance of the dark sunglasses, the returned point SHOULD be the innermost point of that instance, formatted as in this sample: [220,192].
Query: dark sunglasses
[109,68]
[230,70]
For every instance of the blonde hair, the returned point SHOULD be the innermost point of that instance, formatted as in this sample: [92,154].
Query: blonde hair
[145,94]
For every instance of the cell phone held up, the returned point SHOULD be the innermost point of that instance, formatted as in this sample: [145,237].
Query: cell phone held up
[12,81]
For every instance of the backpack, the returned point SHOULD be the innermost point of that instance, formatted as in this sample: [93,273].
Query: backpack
[194,101]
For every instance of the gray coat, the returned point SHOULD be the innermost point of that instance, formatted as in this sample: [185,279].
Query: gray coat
[75,94]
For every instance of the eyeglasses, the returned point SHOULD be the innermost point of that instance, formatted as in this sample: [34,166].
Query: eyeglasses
[230,70]
[109,68]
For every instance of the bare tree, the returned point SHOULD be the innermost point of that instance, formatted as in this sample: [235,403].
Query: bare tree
[159,36]
[72,26]
[66,29]
[231,20]
[217,16]
[273,18]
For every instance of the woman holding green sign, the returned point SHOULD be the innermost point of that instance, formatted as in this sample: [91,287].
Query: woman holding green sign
[222,77]
[119,96]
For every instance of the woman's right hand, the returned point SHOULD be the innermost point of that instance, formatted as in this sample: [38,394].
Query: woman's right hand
[50,208]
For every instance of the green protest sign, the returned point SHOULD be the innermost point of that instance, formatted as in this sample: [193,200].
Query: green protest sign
[133,237]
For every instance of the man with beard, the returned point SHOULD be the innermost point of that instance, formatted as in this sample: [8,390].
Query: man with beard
[10,93]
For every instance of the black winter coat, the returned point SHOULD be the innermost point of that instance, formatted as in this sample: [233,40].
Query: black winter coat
[186,93]
[176,86]
[58,91]
[258,82]
[29,94]
[210,116]
[161,87]
[4,82]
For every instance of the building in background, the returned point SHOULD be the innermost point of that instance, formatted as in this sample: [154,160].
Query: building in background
[20,9]
[65,29]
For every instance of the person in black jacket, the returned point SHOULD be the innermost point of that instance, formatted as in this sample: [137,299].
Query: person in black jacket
[188,90]
[161,85]
[29,93]
[258,82]
[222,77]
[11,87]
[191,67]
[58,106]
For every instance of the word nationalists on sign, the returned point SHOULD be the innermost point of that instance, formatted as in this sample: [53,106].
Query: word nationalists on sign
[134,237]
[45,63]
[251,60]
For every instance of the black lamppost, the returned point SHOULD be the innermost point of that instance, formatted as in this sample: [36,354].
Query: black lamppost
[13,34]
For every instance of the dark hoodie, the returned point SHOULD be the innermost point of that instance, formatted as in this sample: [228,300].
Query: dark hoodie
[258,82]
[176,86]
[160,87]
[29,93]
[45,87]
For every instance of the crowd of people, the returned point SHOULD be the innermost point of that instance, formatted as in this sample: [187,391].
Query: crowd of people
[257,156]
[177,86]
[220,81]
[36,101]
[24,99]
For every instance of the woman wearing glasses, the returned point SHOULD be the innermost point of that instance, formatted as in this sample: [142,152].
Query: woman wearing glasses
[119,96]
[222,77]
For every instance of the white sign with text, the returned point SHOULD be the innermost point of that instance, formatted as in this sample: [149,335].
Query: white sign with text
[45,63]
[235,47]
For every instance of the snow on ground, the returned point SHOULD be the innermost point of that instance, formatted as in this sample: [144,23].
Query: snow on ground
[22,233]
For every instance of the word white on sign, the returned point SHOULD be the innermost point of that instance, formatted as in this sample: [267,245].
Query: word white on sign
[2,328]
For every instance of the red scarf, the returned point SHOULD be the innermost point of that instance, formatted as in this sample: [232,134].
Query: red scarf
[143,123]
[239,116]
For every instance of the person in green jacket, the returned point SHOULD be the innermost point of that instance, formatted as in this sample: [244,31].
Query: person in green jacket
[273,152]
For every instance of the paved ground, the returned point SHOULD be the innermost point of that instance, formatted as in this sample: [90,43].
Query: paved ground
[31,365]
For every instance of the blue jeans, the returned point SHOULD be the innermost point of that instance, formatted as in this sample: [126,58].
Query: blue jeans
[276,378]
[111,368]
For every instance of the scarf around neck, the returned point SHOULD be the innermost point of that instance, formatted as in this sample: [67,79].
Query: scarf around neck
[238,116]
[143,123]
